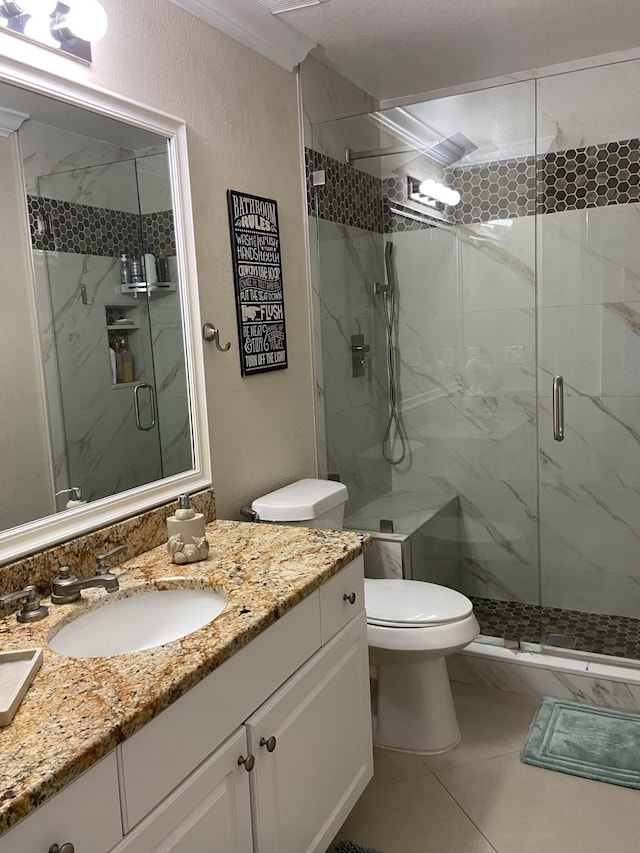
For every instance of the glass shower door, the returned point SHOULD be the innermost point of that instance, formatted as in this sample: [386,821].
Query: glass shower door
[464,339]
[104,415]
[589,346]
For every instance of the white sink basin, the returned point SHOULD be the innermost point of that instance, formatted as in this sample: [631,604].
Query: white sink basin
[140,622]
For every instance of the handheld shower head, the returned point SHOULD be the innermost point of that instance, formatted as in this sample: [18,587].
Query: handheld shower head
[391,276]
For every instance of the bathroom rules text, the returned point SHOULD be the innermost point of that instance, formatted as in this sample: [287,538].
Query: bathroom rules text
[257,274]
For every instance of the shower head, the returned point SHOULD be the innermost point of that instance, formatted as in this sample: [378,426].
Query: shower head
[445,153]
[451,149]
[391,276]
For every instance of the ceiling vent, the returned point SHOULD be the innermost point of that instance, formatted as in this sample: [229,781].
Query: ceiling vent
[276,7]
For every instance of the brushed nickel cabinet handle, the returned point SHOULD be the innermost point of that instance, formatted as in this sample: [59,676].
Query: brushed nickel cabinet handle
[269,742]
[350,597]
[67,847]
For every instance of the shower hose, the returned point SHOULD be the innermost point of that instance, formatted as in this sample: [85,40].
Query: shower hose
[388,298]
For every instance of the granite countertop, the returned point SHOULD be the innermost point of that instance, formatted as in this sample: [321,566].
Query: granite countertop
[77,710]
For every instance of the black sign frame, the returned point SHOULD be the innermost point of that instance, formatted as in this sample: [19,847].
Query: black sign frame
[257,275]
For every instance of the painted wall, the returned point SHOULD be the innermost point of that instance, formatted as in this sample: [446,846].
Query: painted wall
[242,116]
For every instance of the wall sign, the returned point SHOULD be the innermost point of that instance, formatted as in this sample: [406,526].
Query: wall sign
[257,273]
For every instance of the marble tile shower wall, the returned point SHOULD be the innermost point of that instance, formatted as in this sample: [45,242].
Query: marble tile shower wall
[96,445]
[355,407]
[468,306]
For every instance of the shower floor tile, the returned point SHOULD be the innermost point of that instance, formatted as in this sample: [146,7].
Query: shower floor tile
[599,633]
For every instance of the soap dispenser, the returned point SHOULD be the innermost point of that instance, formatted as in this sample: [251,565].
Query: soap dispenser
[187,542]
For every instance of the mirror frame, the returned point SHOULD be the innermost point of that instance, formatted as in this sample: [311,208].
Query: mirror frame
[37,535]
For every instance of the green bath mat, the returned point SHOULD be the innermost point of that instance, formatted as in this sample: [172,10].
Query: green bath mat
[597,743]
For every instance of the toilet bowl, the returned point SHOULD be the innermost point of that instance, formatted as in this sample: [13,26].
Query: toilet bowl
[411,627]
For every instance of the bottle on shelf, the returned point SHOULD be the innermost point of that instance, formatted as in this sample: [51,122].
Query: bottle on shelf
[125,272]
[150,271]
[124,360]
[163,267]
[137,275]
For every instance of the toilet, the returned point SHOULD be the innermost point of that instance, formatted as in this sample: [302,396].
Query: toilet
[411,627]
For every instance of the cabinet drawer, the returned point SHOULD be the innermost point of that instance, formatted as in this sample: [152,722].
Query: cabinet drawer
[336,608]
[163,753]
[86,813]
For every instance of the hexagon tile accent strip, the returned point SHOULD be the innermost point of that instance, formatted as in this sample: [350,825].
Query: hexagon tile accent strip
[63,226]
[595,176]
[575,179]
[349,196]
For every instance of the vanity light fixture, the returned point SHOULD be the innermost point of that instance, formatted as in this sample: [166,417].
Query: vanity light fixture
[68,27]
[432,193]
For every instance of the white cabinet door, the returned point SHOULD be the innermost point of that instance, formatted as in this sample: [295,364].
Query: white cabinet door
[303,790]
[209,813]
[86,814]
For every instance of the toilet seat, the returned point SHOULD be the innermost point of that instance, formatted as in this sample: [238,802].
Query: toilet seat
[405,604]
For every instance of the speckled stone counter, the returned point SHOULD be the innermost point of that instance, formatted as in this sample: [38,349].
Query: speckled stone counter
[77,710]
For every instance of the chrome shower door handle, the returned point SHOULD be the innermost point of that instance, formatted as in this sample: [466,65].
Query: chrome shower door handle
[136,406]
[558,408]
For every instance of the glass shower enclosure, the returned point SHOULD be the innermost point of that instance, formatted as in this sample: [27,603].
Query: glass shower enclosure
[478,276]
[111,429]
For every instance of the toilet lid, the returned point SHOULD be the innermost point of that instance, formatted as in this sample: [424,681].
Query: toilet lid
[412,604]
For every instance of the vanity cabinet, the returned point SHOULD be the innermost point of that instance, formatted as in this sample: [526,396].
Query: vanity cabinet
[302,790]
[293,704]
[306,759]
[86,813]
[210,811]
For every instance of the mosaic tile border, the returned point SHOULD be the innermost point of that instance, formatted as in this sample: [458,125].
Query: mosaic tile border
[349,197]
[597,633]
[574,179]
[62,226]
[139,533]
[594,176]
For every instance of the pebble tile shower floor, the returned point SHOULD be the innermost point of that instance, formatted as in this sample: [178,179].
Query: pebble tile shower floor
[598,633]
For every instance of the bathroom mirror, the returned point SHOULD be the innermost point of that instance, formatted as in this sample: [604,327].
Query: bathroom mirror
[99,364]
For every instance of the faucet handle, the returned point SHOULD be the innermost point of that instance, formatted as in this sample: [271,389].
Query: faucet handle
[101,568]
[31,610]
[58,593]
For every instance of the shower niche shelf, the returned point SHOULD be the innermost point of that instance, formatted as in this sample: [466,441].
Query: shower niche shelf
[153,287]
[122,326]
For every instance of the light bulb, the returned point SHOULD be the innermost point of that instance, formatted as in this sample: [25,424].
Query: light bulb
[86,20]
[37,8]
[37,28]
[453,197]
[440,192]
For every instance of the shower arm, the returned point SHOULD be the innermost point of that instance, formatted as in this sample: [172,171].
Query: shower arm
[351,155]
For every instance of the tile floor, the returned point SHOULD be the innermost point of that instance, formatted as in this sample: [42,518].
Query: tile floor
[479,797]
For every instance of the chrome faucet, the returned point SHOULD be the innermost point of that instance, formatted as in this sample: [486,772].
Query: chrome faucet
[66,588]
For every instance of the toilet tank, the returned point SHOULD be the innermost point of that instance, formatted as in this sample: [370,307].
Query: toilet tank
[306,503]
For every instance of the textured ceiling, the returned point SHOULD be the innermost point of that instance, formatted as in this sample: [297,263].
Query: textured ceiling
[396,48]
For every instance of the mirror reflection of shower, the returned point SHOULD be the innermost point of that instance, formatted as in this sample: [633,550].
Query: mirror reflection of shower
[395,427]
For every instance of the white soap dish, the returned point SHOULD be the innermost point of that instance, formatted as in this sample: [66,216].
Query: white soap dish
[17,671]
